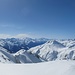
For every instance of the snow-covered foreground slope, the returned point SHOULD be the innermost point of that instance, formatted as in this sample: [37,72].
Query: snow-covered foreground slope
[48,68]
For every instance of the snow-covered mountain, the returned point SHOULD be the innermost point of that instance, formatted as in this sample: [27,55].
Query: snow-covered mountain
[21,56]
[55,50]
[15,44]
[6,57]
[19,46]
[69,43]
[49,51]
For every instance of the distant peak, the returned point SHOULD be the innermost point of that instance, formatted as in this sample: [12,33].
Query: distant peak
[55,43]
[52,42]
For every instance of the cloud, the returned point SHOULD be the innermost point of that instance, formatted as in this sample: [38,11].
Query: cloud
[21,36]
[4,36]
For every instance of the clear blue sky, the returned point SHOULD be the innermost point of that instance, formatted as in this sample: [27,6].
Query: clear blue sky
[39,18]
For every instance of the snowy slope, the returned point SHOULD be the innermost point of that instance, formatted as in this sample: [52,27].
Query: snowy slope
[48,51]
[67,54]
[6,57]
[49,68]
[53,50]
[22,56]
[68,43]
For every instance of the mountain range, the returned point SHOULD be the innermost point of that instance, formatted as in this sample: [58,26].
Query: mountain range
[30,50]
[15,44]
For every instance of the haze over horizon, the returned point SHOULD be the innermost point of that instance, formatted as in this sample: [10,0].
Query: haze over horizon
[38,18]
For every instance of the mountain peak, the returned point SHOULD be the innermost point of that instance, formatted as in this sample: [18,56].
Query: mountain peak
[52,42]
[55,43]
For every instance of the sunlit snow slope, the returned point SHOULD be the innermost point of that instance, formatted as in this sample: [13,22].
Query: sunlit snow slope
[55,50]
[48,68]
[21,56]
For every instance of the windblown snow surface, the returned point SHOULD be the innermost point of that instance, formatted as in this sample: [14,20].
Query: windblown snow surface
[62,67]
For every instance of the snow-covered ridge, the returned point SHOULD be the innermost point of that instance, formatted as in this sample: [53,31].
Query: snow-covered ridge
[20,57]
[50,51]
[55,50]
[6,57]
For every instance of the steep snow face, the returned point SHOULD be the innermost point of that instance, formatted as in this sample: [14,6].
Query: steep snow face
[67,54]
[14,44]
[53,50]
[54,43]
[23,56]
[68,43]
[48,51]
[6,57]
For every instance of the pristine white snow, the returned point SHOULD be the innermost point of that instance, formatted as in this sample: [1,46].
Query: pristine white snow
[46,68]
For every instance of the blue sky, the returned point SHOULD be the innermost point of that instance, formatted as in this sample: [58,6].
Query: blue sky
[38,18]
